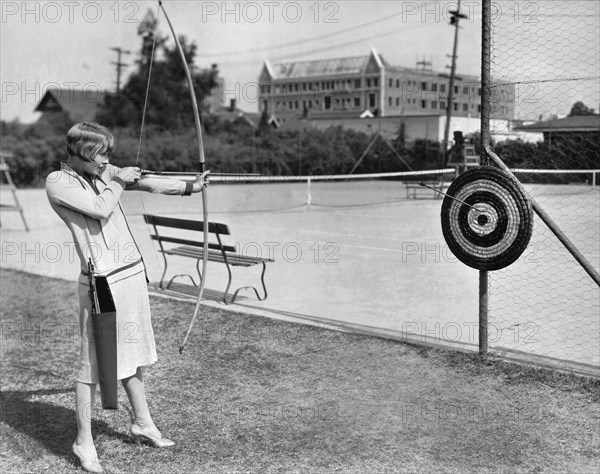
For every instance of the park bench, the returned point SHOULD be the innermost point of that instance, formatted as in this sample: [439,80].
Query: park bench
[192,248]
[413,187]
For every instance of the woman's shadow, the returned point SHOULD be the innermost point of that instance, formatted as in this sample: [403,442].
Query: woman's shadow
[51,425]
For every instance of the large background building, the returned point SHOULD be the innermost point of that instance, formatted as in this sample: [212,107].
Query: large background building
[346,89]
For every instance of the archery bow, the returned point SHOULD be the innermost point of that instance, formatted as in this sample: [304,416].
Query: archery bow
[188,78]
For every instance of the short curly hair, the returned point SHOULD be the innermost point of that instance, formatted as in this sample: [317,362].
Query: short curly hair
[89,139]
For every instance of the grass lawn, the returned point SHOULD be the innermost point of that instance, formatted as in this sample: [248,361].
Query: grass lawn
[255,395]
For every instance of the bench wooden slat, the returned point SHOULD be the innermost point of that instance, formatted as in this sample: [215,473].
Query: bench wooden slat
[195,243]
[235,259]
[186,224]
[211,257]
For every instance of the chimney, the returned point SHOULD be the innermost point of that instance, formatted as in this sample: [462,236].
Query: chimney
[231,105]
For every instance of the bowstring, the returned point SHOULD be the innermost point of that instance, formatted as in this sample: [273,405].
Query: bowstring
[145,107]
[137,159]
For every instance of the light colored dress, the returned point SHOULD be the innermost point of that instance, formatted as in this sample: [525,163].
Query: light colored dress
[100,232]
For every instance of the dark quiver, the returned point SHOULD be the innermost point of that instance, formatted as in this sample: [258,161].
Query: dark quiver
[104,322]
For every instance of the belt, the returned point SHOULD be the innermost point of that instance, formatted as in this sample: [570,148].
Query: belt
[114,272]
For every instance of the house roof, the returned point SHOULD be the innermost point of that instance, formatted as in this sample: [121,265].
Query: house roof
[574,123]
[80,105]
[226,113]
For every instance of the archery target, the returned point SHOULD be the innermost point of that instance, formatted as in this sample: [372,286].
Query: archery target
[487,220]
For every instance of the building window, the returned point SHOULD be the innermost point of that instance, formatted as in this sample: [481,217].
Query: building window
[389,101]
[368,82]
[397,82]
[442,87]
[433,104]
[290,105]
[296,104]
[327,103]
[465,107]
[442,104]
[479,108]
[456,89]
[397,101]
[455,106]
[466,90]
[391,82]
[357,102]
[423,86]
[423,104]
[357,83]
[479,91]
[310,104]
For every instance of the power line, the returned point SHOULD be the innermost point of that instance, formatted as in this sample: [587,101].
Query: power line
[301,54]
[308,40]
[555,79]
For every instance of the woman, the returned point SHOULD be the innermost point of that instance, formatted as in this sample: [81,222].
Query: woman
[85,193]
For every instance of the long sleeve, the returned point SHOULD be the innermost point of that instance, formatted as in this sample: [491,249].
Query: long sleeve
[149,184]
[159,185]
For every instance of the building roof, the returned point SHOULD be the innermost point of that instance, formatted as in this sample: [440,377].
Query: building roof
[324,67]
[340,66]
[80,105]
[321,67]
[573,123]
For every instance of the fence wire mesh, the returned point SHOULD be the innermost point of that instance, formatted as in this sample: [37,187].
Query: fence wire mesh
[547,54]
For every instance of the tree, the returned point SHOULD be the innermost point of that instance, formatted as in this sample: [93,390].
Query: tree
[579,108]
[168,105]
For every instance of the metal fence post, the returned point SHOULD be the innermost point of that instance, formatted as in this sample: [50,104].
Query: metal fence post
[486,33]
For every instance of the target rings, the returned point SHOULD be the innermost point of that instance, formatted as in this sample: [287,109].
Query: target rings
[487,220]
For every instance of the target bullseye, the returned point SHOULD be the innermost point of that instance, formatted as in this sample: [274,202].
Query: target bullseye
[487,220]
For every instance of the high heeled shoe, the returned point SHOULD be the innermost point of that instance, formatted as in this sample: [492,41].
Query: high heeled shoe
[89,464]
[138,434]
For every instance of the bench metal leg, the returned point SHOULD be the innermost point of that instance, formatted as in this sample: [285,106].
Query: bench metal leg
[228,285]
[262,281]
[162,278]
[181,275]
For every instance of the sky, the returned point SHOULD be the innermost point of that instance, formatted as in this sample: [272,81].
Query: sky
[67,44]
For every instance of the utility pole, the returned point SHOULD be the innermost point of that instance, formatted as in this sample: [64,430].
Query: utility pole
[120,65]
[454,20]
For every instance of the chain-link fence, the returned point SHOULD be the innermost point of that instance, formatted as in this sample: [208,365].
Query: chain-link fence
[545,305]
